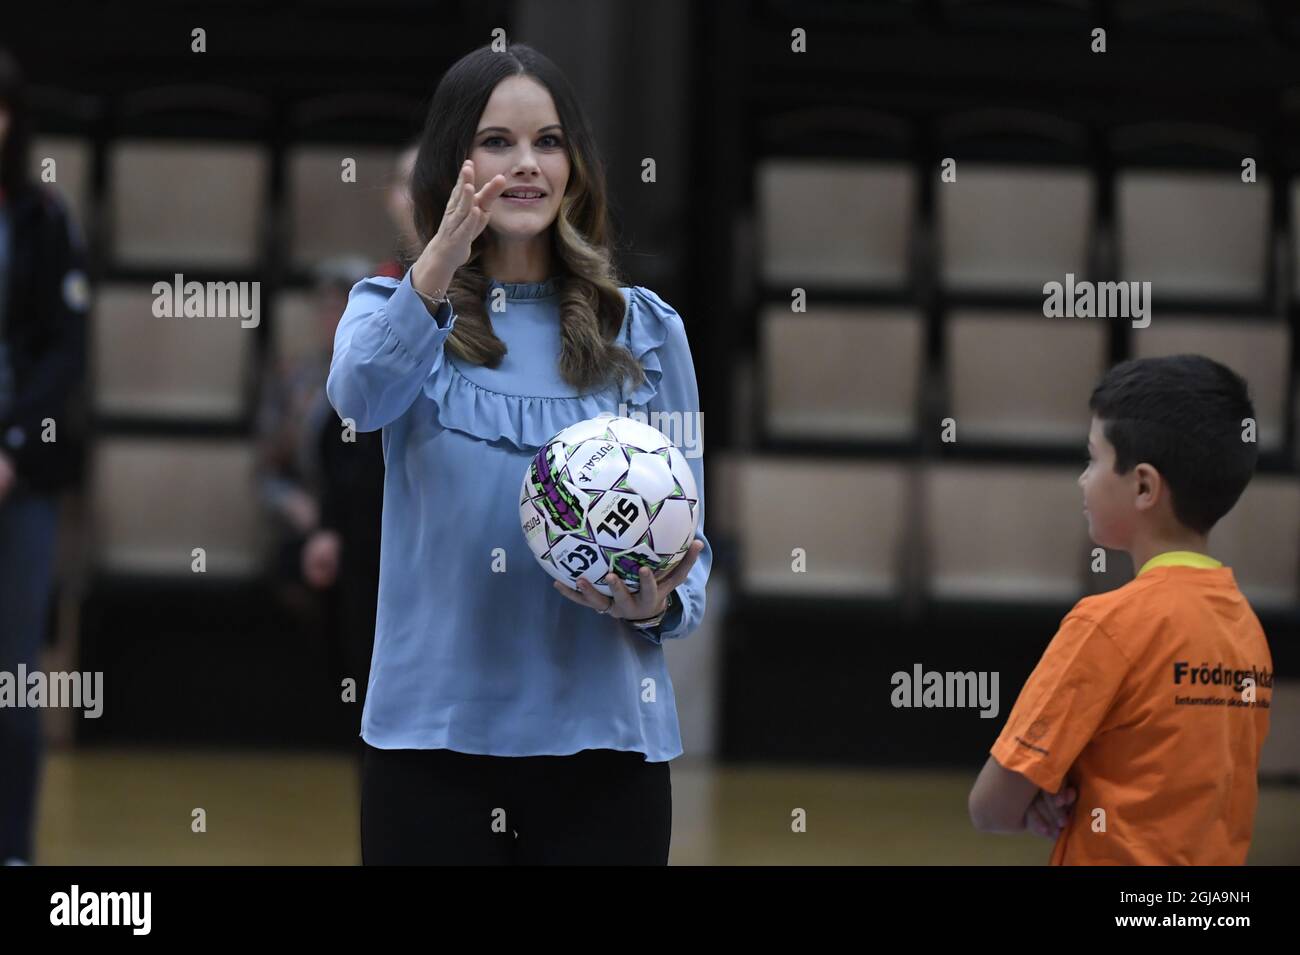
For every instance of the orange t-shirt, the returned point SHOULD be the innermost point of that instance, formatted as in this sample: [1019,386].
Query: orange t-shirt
[1141,702]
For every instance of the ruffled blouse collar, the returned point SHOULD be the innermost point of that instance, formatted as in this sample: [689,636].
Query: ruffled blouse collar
[528,422]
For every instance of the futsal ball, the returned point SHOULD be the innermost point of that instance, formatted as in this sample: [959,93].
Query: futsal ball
[608,494]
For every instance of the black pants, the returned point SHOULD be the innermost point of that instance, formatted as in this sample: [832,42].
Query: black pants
[441,807]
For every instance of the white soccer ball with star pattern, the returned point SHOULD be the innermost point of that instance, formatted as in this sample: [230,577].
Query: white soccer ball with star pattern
[608,494]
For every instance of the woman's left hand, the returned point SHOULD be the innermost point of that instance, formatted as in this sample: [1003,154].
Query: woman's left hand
[649,601]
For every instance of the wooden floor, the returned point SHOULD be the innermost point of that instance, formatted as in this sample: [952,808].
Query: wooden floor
[133,807]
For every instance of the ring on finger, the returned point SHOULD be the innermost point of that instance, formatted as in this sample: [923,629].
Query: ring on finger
[609,606]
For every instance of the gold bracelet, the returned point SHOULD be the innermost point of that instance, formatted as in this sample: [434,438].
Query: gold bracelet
[433,303]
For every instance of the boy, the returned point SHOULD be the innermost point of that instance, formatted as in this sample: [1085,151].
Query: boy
[1136,739]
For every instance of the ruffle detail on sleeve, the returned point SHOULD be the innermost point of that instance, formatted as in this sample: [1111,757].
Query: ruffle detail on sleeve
[644,333]
[527,422]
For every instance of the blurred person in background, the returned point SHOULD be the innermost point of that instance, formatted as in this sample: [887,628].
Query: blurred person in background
[291,415]
[306,478]
[344,551]
[402,214]
[44,296]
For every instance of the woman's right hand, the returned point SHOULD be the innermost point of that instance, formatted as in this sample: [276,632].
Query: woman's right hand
[466,216]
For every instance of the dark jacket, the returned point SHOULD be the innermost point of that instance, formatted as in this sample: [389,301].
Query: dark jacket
[45,329]
[352,493]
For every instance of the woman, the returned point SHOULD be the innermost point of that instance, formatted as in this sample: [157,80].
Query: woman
[43,299]
[509,721]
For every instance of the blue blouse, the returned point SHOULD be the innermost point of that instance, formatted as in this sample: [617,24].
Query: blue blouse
[475,651]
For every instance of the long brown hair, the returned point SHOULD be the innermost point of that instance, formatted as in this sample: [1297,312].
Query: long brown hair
[591,305]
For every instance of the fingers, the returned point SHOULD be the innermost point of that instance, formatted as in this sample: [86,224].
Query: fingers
[674,577]
[635,605]
[1041,823]
[468,212]
[595,599]
[586,594]
[462,200]
[1059,804]
[647,595]
[1052,810]
[458,191]
[494,187]
[1050,807]
[1033,821]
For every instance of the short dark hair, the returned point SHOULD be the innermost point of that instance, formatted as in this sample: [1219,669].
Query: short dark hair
[1182,415]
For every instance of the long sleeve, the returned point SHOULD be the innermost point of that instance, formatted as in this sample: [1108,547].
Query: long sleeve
[385,347]
[498,663]
[677,398]
[60,367]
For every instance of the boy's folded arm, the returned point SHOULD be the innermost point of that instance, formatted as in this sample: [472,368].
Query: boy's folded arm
[1000,798]
[1059,710]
